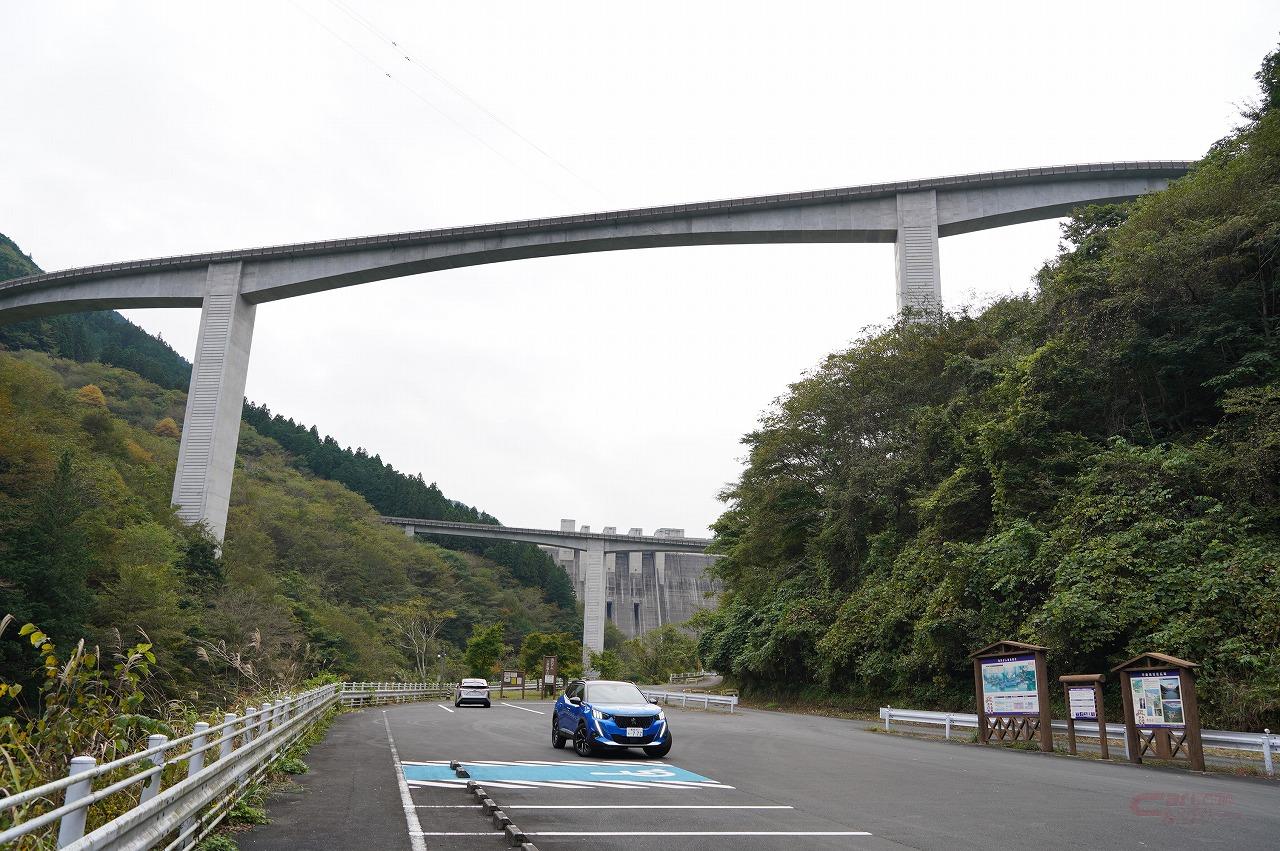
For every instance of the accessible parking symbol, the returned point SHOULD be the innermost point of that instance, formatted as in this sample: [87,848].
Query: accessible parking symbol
[567,775]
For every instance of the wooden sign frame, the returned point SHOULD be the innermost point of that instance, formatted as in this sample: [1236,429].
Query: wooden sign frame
[1015,727]
[550,669]
[1159,741]
[1093,681]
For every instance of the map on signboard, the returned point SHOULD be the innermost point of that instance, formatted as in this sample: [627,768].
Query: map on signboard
[1082,704]
[1157,698]
[1009,686]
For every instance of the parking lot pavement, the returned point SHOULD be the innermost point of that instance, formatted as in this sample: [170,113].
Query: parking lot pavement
[756,779]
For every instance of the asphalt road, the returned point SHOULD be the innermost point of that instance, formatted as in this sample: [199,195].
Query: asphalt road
[751,780]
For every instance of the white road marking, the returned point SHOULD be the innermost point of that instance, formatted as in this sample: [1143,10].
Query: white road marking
[699,833]
[410,811]
[524,708]
[449,806]
[445,708]
[662,833]
[645,806]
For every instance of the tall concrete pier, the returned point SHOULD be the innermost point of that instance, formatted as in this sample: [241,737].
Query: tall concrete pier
[211,427]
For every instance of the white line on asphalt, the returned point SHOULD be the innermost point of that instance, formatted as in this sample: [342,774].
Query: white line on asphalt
[661,833]
[524,708]
[410,812]
[449,806]
[644,806]
[698,833]
[445,708]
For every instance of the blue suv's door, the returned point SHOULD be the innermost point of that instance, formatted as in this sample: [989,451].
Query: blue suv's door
[566,711]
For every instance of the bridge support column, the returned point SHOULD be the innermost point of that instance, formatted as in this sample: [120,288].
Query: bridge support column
[916,252]
[211,428]
[660,578]
[592,601]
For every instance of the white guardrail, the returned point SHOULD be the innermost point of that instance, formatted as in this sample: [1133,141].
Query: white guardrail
[222,761]
[692,676]
[1265,743]
[706,701]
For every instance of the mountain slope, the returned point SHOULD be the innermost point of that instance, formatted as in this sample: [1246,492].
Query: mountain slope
[1095,468]
[89,547]
[109,338]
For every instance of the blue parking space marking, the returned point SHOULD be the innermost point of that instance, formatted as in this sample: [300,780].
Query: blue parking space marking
[614,773]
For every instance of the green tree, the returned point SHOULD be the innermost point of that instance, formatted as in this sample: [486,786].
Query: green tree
[1093,467]
[657,654]
[415,625]
[608,665]
[484,648]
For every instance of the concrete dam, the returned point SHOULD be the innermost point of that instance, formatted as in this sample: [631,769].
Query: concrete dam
[644,590]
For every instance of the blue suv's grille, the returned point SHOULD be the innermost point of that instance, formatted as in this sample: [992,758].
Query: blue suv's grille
[634,720]
[631,740]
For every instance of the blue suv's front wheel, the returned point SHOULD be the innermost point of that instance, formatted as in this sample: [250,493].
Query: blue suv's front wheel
[557,738]
[662,749]
[582,745]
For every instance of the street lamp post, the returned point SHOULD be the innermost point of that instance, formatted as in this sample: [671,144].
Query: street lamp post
[440,656]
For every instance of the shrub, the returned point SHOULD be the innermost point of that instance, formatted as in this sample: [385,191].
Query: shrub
[91,394]
[167,428]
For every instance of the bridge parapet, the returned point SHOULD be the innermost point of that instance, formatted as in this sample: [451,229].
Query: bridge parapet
[609,543]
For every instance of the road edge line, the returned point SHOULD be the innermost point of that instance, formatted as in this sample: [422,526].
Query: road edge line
[416,840]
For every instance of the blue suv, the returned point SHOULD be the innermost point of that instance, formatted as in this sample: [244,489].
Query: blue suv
[603,715]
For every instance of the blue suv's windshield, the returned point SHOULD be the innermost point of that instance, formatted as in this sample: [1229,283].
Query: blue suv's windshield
[614,693]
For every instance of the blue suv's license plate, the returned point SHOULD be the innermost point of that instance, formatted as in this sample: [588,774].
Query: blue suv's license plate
[635,732]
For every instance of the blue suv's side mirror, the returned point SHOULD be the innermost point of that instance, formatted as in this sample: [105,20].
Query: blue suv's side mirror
[576,701]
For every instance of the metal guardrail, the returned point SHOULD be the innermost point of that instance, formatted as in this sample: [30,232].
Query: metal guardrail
[1265,743]
[222,761]
[692,676]
[370,694]
[706,701]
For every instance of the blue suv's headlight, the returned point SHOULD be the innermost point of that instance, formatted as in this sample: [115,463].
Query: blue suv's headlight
[598,715]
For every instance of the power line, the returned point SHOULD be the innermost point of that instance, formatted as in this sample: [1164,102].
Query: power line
[382,69]
[422,66]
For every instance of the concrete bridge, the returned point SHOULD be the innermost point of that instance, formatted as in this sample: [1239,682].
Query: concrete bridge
[593,549]
[228,285]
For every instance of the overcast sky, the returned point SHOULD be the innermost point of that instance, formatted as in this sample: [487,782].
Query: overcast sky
[612,388]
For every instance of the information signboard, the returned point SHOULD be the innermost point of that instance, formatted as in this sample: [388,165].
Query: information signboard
[512,678]
[1081,703]
[1009,685]
[549,665]
[1157,698]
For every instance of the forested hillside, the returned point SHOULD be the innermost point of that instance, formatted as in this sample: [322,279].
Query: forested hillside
[109,338]
[1095,467]
[103,336]
[308,580]
[399,495]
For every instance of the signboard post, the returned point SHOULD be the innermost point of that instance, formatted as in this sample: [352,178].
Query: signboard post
[1012,691]
[1084,703]
[550,664]
[1161,718]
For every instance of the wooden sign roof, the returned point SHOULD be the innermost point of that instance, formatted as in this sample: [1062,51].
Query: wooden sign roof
[1002,647]
[1162,661]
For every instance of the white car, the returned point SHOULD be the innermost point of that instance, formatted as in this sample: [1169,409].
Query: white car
[472,691]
